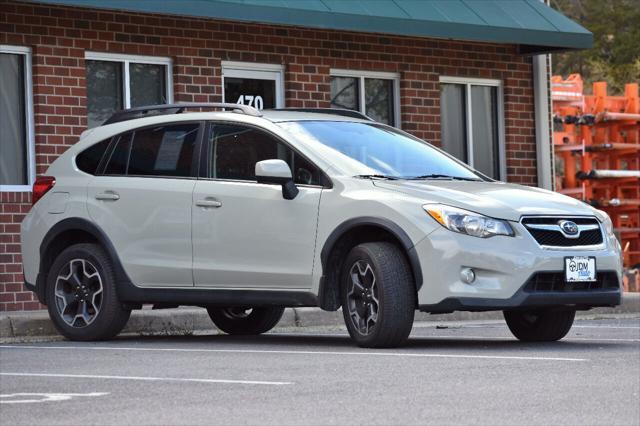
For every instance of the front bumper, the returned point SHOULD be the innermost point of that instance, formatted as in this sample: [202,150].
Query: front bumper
[504,267]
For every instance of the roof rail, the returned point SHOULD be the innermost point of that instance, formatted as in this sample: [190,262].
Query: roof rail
[335,111]
[165,109]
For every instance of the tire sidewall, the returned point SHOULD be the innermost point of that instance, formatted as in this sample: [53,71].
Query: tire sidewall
[260,320]
[550,325]
[98,258]
[359,253]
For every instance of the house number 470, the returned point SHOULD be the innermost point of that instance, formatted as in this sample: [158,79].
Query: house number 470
[254,101]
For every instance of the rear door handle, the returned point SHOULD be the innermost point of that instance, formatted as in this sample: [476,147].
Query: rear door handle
[208,202]
[108,196]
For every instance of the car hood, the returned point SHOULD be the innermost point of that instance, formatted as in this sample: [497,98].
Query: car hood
[496,199]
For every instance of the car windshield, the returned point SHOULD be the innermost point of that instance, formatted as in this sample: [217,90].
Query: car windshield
[381,151]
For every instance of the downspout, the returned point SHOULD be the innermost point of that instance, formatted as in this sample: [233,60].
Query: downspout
[542,120]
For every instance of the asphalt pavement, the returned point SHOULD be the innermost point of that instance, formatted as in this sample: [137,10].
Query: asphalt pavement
[450,373]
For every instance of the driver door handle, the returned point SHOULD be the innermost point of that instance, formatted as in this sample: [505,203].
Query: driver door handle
[208,202]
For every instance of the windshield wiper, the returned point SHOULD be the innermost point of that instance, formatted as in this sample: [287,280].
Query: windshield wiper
[376,177]
[440,176]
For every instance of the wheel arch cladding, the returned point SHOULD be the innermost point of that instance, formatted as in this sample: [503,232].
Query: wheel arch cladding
[66,233]
[349,234]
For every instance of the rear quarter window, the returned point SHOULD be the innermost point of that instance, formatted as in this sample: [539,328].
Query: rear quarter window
[89,159]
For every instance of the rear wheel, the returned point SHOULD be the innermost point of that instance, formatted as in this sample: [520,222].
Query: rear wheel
[81,294]
[540,325]
[378,295]
[244,320]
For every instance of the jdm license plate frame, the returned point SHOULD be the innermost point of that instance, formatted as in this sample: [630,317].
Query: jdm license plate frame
[573,269]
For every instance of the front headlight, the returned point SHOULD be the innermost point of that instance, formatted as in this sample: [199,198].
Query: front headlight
[466,222]
[606,221]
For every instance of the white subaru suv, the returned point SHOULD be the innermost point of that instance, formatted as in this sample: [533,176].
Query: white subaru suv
[246,212]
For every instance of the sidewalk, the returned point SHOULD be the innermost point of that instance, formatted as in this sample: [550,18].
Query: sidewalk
[188,320]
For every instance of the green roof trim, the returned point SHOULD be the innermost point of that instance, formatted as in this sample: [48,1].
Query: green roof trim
[529,23]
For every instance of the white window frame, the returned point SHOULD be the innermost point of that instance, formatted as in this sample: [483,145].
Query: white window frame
[125,60]
[30,126]
[252,70]
[468,82]
[379,75]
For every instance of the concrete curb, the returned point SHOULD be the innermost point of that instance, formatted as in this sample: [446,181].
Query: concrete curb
[188,320]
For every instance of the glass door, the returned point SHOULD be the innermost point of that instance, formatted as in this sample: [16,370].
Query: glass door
[257,85]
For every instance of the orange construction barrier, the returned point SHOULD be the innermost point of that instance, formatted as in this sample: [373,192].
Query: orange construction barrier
[596,141]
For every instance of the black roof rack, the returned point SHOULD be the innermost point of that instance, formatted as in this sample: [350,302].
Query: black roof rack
[151,110]
[334,111]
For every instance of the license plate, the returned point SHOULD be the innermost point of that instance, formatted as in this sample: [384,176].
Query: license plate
[579,268]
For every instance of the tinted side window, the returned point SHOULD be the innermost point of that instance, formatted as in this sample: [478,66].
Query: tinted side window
[89,159]
[117,164]
[237,149]
[163,151]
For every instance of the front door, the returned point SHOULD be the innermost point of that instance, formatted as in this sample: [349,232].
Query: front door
[245,234]
[256,85]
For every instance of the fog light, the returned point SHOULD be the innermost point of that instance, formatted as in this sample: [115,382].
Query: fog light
[467,275]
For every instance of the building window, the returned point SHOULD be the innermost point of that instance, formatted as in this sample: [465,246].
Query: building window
[115,82]
[17,158]
[372,93]
[471,119]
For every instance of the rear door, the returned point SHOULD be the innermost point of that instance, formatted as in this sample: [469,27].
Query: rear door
[141,198]
[245,234]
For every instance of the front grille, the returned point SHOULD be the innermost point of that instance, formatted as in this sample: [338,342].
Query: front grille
[555,237]
[542,282]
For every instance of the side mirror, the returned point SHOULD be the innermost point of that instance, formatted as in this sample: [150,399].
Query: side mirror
[277,172]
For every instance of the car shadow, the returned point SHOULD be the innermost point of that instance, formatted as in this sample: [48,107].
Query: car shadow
[319,342]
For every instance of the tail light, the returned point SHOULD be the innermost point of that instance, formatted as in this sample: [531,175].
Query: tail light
[41,186]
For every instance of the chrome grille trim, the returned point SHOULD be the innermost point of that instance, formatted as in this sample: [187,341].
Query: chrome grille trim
[551,223]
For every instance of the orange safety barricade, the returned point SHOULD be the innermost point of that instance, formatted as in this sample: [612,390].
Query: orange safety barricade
[596,141]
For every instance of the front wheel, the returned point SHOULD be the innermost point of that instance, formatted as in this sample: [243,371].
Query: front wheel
[245,321]
[378,295]
[540,325]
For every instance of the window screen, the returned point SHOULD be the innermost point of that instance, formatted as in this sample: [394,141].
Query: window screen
[484,125]
[453,119]
[235,150]
[147,84]
[104,91]
[14,168]
[374,97]
[345,93]
[470,125]
[89,159]
[379,99]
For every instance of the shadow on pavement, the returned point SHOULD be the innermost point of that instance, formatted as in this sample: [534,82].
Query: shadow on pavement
[324,343]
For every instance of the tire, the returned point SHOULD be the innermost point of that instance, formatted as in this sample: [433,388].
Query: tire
[74,280]
[245,321]
[379,300]
[541,325]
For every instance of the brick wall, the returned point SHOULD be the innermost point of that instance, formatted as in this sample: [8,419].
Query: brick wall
[59,37]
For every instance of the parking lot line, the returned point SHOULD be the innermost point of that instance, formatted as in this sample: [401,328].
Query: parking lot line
[292,352]
[144,378]
[608,326]
[467,337]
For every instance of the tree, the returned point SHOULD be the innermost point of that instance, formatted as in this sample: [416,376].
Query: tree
[615,56]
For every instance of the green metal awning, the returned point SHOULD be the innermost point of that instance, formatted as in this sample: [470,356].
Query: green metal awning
[531,24]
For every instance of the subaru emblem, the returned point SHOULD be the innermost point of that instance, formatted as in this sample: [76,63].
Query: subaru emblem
[568,227]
